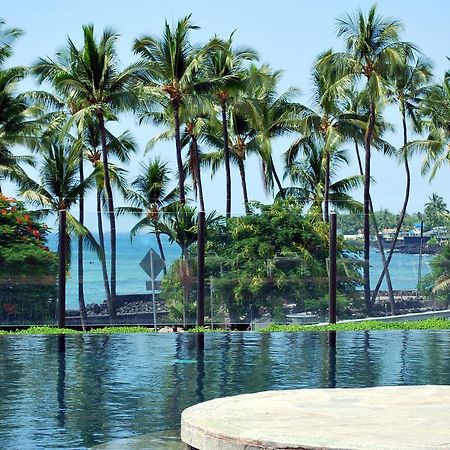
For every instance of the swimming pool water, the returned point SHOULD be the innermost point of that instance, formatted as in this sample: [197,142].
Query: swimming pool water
[109,390]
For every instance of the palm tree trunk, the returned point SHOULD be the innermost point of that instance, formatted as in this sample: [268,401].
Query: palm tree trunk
[101,239]
[277,178]
[198,175]
[81,302]
[379,241]
[184,272]
[244,185]
[226,154]
[176,116]
[112,218]
[326,197]
[161,251]
[366,218]
[403,211]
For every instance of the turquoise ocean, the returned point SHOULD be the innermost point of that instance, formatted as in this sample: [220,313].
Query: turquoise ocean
[131,279]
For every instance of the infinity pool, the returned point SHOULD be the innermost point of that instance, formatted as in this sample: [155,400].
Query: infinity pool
[128,391]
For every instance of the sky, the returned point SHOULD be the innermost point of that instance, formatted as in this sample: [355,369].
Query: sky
[288,35]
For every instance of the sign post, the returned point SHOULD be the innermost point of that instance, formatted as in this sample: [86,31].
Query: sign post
[152,264]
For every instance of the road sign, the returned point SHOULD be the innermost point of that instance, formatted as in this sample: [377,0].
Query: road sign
[152,264]
[152,258]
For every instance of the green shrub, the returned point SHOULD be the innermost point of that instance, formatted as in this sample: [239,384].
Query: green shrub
[27,267]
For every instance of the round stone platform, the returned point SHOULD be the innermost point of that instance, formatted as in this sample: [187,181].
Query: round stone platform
[394,418]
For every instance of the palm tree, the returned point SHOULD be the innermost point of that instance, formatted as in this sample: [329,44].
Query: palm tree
[171,65]
[435,211]
[435,113]
[196,117]
[17,122]
[180,224]
[121,147]
[272,116]
[18,126]
[150,196]
[373,53]
[408,90]
[7,37]
[56,192]
[226,64]
[239,135]
[314,175]
[440,271]
[91,78]
[327,125]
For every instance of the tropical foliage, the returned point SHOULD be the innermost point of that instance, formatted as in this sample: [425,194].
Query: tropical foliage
[27,267]
[221,108]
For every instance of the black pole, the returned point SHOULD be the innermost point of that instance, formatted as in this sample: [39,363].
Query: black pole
[201,270]
[62,248]
[332,277]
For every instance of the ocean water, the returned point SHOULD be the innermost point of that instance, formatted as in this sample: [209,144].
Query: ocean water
[131,279]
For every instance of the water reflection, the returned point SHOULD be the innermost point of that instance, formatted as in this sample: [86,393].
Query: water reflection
[61,384]
[200,377]
[84,390]
[332,359]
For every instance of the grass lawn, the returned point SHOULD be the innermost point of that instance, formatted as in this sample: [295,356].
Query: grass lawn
[429,324]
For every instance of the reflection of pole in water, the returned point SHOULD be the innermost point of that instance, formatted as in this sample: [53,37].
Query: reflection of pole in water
[61,382]
[332,359]
[404,357]
[419,274]
[200,376]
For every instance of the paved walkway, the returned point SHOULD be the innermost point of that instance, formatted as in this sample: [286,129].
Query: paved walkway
[394,418]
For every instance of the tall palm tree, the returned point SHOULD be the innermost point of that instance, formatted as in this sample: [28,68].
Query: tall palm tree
[326,123]
[240,135]
[272,116]
[408,90]
[57,190]
[180,225]
[150,195]
[355,103]
[90,76]
[373,52]
[121,147]
[435,113]
[226,64]
[195,116]
[18,124]
[170,71]
[314,174]
[7,37]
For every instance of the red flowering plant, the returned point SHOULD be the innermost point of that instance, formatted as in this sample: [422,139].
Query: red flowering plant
[27,267]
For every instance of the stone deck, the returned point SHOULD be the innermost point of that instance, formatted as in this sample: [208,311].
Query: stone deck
[385,418]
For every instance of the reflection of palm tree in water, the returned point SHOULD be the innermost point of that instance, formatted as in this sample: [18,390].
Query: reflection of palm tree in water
[200,378]
[61,383]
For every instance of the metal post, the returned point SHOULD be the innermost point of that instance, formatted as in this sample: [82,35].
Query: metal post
[152,274]
[332,275]
[211,297]
[201,269]
[62,248]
